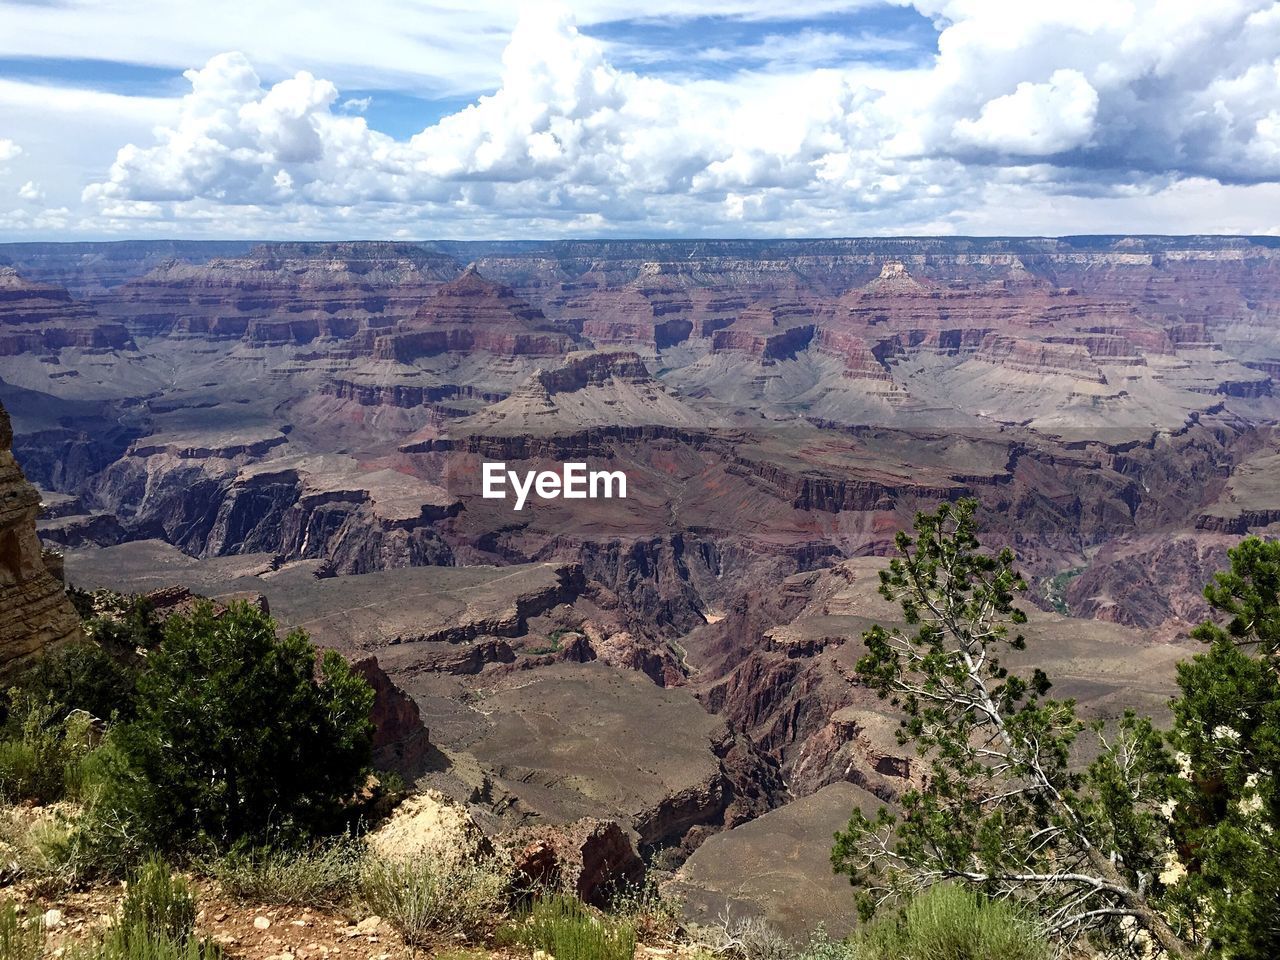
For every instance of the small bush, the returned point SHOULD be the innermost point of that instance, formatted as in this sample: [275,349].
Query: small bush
[100,837]
[434,893]
[159,903]
[823,947]
[21,938]
[750,938]
[120,623]
[567,929]
[950,923]
[642,905]
[31,844]
[156,921]
[123,944]
[238,736]
[40,757]
[324,876]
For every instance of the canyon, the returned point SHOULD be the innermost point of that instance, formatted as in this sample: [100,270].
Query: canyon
[309,423]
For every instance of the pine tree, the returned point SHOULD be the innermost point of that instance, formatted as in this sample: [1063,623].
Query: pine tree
[1227,734]
[1003,806]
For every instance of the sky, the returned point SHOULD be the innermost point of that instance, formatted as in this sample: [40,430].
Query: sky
[637,118]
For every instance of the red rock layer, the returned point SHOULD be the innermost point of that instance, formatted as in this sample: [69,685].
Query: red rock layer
[473,313]
[40,317]
[283,293]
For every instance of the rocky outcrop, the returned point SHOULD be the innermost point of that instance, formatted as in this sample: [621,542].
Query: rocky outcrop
[592,859]
[861,359]
[470,314]
[430,824]
[181,601]
[400,739]
[894,280]
[746,783]
[611,392]
[79,530]
[214,495]
[644,315]
[458,658]
[1152,582]
[1028,356]
[778,670]
[625,651]
[35,614]
[391,394]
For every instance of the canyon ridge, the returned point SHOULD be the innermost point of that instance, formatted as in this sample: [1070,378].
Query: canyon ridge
[307,423]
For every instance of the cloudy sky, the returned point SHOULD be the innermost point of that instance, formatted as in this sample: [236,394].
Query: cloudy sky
[475,118]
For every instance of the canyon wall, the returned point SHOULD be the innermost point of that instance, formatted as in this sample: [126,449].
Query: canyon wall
[35,614]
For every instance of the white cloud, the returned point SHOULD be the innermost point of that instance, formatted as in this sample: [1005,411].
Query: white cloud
[1037,119]
[31,191]
[8,150]
[444,47]
[1028,107]
[1150,86]
[1194,205]
[232,140]
[565,136]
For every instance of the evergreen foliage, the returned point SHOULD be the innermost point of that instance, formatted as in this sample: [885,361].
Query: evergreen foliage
[1005,806]
[239,734]
[1227,735]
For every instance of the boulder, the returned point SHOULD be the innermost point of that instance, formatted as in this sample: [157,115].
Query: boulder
[589,857]
[430,824]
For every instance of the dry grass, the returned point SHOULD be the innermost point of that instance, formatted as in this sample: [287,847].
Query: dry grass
[435,892]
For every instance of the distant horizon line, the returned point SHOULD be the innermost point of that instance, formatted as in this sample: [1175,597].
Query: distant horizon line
[1268,239]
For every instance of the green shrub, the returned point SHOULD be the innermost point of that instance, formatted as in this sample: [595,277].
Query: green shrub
[238,736]
[40,757]
[323,876]
[159,903]
[122,624]
[950,923]
[567,929]
[157,921]
[435,892]
[85,677]
[21,937]
[822,947]
[97,839]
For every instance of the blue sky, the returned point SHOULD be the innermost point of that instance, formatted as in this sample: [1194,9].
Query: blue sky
[618,118]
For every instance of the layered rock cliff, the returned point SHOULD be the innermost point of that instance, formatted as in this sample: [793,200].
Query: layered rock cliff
[42,318]
[35,614]
[282,293]
[472,313]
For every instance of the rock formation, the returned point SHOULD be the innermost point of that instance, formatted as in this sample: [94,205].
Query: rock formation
[469,314]
[282,293]
[35,614]
[307,423]
[43,318]
[400,739]
[590,858]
